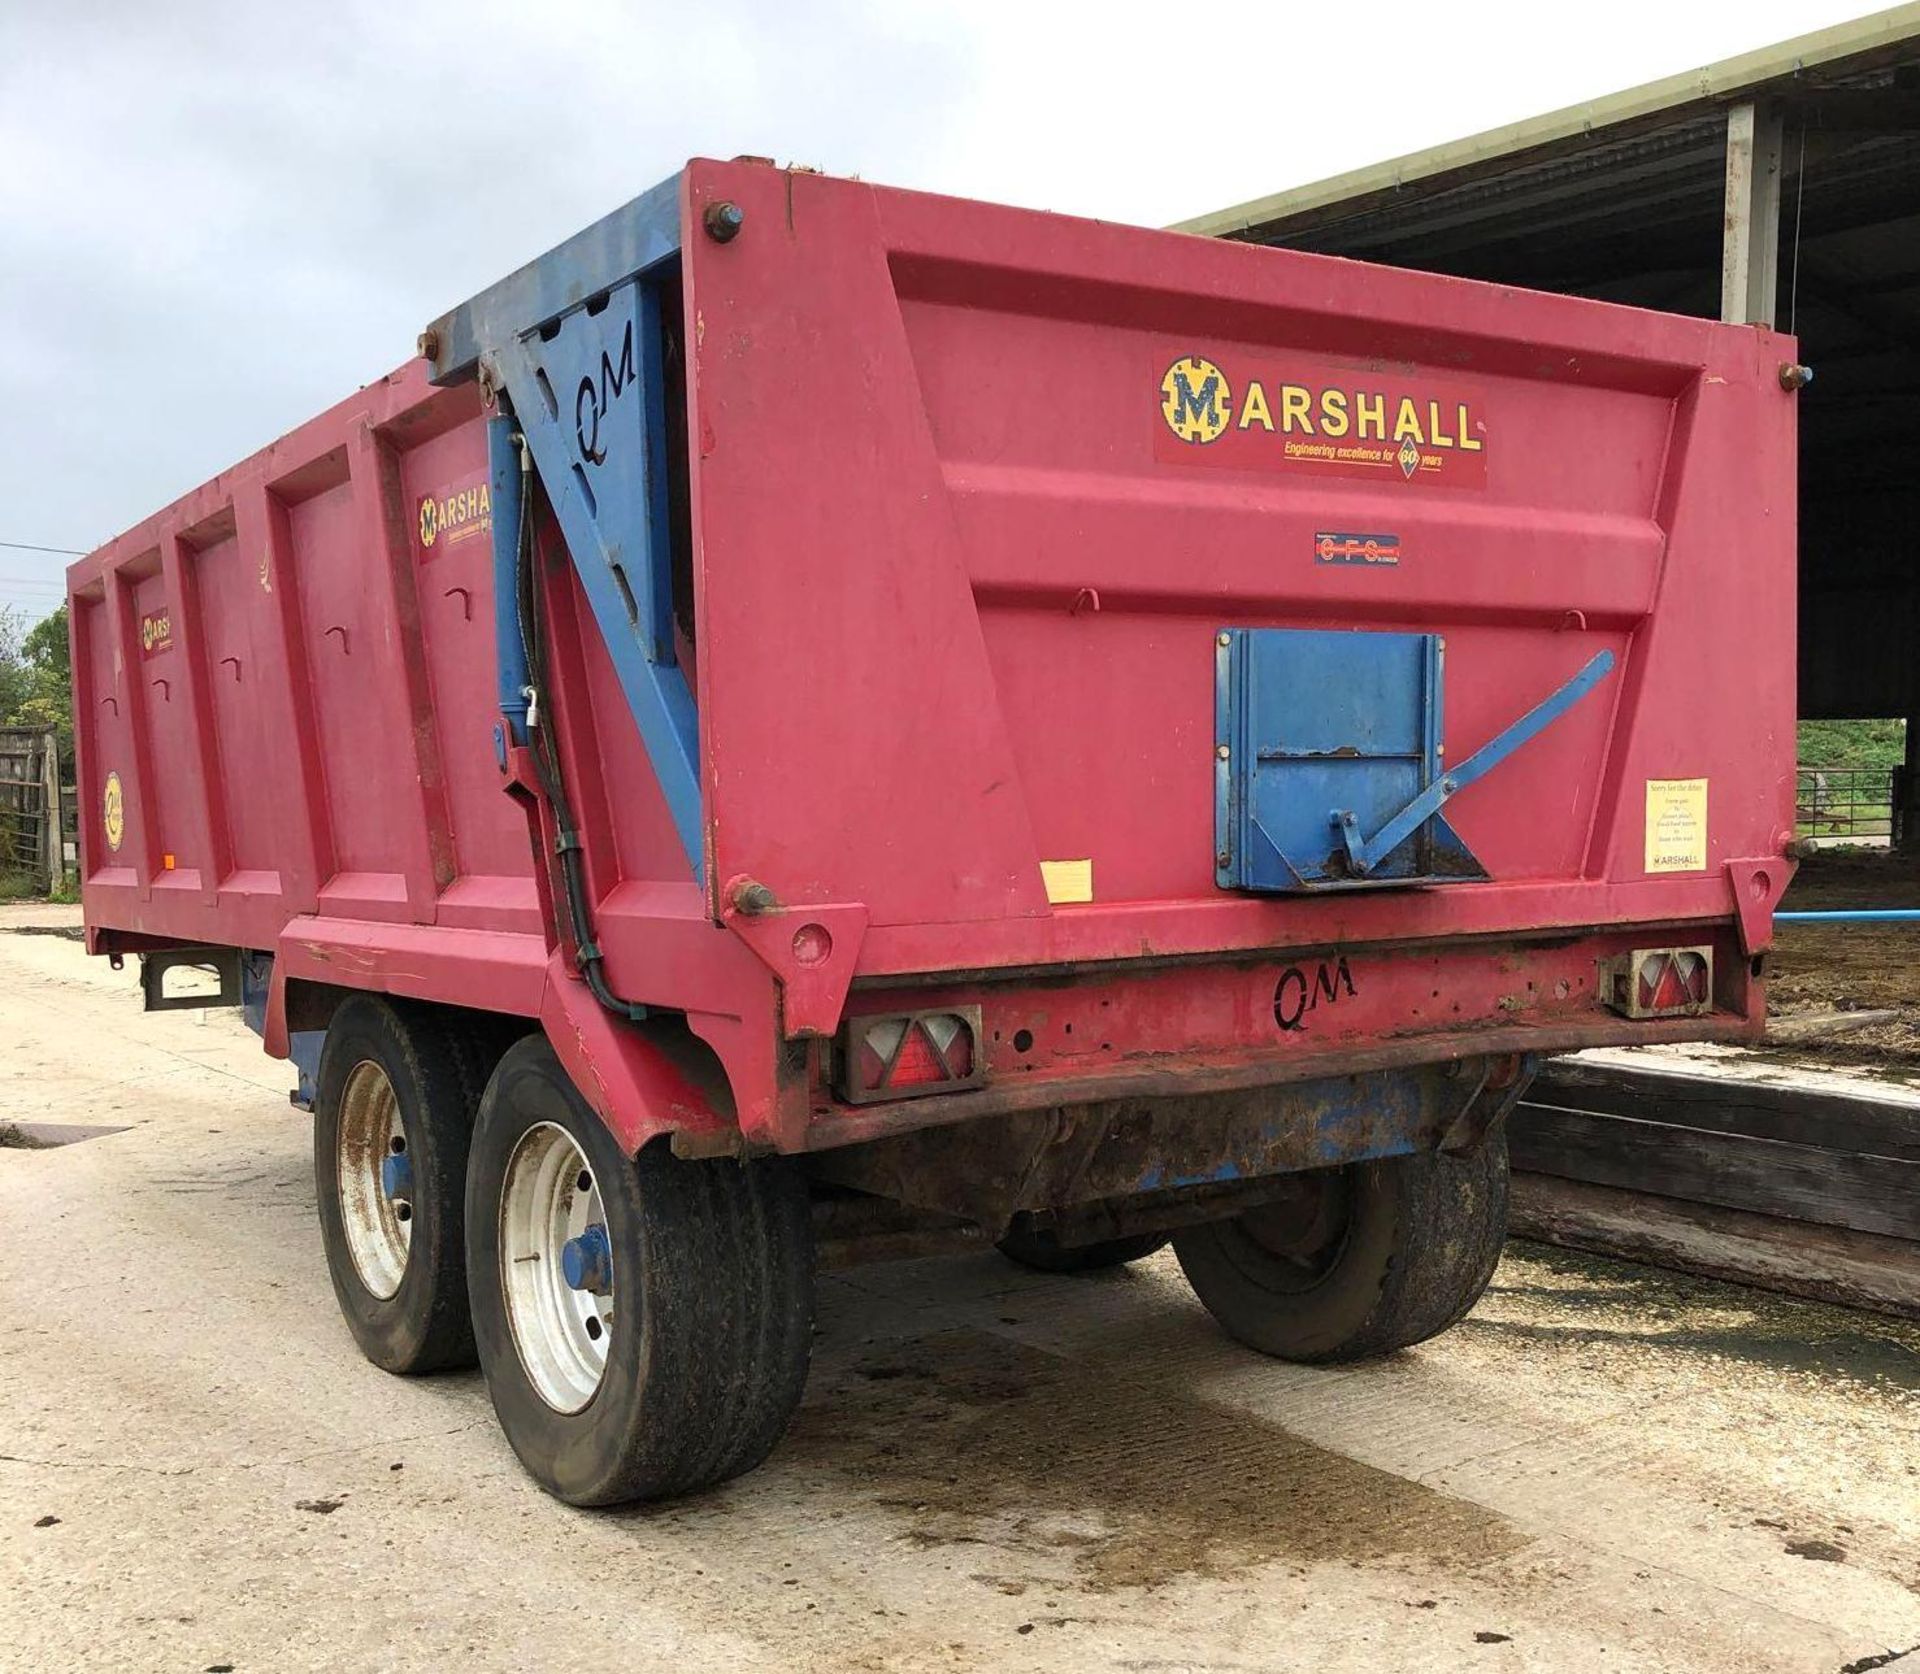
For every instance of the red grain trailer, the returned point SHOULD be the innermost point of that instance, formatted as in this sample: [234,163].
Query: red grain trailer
[811,695]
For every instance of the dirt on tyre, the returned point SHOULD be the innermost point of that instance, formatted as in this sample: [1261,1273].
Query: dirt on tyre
[644,1323]
[1044,1253]
[1356,1262]
[392,1116]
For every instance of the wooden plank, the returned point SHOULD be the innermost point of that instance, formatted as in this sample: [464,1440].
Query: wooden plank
[1765,1176]
[54,852]
[1828,1264]
[1872,1124]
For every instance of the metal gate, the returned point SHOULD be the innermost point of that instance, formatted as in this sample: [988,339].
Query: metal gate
[1845,804]
[32,833]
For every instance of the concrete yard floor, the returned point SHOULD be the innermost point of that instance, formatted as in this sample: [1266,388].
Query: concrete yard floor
[1603,1468]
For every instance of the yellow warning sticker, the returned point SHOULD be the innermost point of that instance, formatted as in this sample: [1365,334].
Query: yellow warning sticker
[1067,881]
[1676,825]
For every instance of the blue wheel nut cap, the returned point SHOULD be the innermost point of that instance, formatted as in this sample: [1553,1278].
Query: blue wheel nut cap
[586,1262]
[396,1176]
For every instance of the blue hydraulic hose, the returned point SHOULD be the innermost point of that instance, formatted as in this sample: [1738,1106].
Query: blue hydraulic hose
[1865,915]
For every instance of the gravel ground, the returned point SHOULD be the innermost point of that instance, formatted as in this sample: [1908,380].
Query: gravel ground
[1603,1468]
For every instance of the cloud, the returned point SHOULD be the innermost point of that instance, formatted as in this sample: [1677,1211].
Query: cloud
[218,218]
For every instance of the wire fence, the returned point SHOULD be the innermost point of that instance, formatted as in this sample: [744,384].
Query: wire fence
[1845,804]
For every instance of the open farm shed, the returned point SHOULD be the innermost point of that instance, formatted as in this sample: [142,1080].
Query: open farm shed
[1780,187]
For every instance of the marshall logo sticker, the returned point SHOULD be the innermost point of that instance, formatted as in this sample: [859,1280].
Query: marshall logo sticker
[1195,400]
[457,514]
[156,632]
[1356,549]
[1268,415]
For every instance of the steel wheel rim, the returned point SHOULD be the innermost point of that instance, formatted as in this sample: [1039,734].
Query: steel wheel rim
[1305,1233]
[379,1224]
[549,1200]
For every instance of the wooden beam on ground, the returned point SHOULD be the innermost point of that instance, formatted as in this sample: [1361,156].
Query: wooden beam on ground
[1827,1264]
[1868,1122]
[1764,1176]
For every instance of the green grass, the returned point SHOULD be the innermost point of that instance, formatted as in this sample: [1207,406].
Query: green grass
[1852,743]
[23,886]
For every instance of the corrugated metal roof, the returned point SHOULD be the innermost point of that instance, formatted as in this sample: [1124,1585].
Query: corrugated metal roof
[1660,111]
[1624,199]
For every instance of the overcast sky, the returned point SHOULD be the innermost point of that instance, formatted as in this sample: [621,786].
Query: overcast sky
[217,219]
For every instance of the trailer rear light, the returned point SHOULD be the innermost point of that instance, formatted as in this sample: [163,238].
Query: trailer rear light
[901,1055]
[1658,982]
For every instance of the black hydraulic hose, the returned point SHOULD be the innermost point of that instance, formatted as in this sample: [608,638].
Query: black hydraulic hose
[546,758]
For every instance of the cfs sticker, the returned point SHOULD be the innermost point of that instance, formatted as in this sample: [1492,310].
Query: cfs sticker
[1356,549]
[113,812]
[458,513]
[1296,416]
[1676,825]
[156,632]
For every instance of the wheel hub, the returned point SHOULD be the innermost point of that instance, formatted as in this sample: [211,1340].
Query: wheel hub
[375,1175]
[556,1267]
[396,1177]
[587,1261]
[1307,1227]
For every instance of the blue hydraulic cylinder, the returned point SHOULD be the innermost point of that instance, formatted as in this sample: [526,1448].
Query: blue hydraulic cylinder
[508,482]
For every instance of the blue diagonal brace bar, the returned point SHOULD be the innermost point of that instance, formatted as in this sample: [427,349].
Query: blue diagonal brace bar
[1366,852]
[656,690]
[574,341]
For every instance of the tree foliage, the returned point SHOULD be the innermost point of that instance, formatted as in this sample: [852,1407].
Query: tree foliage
[35,682]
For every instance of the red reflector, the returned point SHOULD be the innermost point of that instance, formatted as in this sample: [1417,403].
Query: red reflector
[897,1057]
[1659,982]
[917,1063]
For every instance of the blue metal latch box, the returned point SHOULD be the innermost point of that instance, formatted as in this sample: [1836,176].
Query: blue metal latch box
[1329,771]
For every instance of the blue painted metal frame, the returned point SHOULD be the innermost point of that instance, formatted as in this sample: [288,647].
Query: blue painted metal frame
[574,342]
[304,1045]
[1323,736]
[636,238]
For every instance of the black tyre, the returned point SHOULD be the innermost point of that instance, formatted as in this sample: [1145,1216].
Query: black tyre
[1042,1251]
[644,1323]
[1358,1261]
[392,1118]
